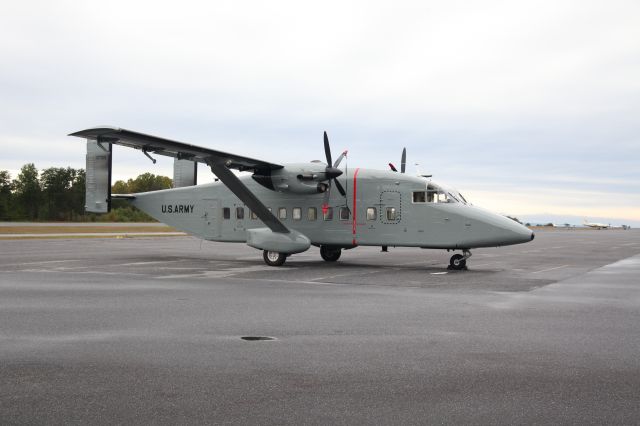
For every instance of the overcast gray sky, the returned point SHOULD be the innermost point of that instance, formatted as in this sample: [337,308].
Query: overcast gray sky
[526,107]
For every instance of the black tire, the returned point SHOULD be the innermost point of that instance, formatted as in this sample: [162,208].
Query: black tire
[457,262]
[274,258]
[330,254]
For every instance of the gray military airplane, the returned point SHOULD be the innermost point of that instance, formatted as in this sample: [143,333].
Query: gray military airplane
[283,209]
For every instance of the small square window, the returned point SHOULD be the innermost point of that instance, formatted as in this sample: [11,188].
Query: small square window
[296,213]
[344,213]
[239,212]
[312,213]
[254,216]
[371,213]
[282,213]
[419,197]
[328,213]
[391,213]
[226,213]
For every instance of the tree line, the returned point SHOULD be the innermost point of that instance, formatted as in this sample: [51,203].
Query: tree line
[58,194]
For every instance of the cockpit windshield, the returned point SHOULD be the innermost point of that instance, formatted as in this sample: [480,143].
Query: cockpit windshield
[440,194]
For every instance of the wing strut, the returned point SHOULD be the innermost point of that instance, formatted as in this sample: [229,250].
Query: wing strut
[234,184]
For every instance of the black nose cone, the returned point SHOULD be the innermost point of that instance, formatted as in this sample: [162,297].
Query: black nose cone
[332,172]
[532,236]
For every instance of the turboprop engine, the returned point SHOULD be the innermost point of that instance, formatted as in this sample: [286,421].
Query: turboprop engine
[303,178]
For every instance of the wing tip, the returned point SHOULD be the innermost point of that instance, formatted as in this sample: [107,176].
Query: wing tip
[95,131]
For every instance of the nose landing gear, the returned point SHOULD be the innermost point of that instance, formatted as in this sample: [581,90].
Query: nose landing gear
[459,261]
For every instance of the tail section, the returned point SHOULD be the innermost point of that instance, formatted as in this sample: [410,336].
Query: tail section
[98,181]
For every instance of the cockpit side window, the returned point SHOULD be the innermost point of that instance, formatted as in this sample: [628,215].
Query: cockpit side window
[419,197]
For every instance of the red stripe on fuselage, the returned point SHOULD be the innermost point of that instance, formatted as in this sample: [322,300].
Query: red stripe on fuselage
[355,204]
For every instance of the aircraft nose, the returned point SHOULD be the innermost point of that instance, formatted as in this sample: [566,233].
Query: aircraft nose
[494,230]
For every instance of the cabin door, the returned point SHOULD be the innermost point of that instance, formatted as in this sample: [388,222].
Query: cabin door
[390,207]
[213,218]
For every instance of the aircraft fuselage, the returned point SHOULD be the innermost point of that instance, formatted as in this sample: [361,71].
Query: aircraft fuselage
[381,208]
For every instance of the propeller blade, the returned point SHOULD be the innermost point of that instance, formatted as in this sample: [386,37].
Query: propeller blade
[392,167]
[340,188]
[327,149]
[403,162]
[337,163]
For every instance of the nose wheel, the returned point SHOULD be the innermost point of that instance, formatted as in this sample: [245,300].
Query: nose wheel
[459,261]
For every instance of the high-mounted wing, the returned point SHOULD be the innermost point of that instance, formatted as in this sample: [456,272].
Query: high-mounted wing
[219,162]
[180,150]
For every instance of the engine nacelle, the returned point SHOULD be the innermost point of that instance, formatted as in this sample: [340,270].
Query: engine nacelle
[304,178]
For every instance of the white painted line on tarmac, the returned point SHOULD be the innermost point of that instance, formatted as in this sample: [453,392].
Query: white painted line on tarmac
[550,269]
[150,262]
[42,262]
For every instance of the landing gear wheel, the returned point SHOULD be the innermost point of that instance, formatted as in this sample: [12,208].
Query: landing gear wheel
[457,262]
[330,254]
[274,258]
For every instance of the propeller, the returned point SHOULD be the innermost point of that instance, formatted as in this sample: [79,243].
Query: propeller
[332,172]
[403,162]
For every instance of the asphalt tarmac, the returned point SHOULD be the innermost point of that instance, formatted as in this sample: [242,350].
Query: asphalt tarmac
[148,330]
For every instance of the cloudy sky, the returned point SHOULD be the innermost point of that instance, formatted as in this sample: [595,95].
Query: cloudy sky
[529,108]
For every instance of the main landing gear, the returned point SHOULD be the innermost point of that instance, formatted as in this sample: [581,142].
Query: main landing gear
[274,258]
[459,261]
[330,254]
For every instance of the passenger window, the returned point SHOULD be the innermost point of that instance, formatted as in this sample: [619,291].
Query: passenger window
[419,197]
[312,214]
[226,213]
[328,214]
[282,213]
[371,213]
[344,213]
[254,216]
[239,212]
[391,213]
[296,214]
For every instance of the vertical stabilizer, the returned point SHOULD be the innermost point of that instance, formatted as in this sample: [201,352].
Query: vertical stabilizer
[185,173]
[98,183]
